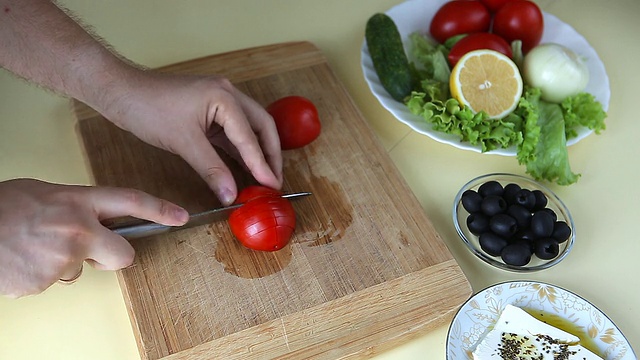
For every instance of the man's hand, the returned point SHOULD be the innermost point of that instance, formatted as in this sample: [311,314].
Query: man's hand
[182,114]
[47,231]
[187,114]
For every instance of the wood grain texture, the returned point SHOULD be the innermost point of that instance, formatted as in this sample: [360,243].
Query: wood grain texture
[365,269]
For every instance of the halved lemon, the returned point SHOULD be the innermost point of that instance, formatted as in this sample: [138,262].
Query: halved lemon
[486,80]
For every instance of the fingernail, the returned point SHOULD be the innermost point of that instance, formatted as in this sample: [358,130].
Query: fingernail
[226,196]
[181,215]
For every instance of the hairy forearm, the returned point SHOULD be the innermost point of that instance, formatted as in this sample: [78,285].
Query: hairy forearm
[41,43]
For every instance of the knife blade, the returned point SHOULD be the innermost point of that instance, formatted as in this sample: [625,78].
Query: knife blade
[143,228]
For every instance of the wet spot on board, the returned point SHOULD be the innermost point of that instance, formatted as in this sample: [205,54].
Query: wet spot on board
[325,217]
[403,239]
[321,219]
[246,263]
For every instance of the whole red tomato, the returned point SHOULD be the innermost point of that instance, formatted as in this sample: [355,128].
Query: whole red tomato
[265,222]
[297,121]
[459,17]
[520,20]
[495,5]
[478,41]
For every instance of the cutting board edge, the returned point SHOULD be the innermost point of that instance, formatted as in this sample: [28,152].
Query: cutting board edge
[406,292]
[126,296]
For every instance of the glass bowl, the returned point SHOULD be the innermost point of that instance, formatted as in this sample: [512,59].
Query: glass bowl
[460,215]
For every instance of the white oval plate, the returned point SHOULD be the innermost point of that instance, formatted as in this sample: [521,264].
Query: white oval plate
[482,310]
[415,15]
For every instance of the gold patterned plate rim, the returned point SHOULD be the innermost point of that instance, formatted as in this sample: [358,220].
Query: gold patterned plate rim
[476,315]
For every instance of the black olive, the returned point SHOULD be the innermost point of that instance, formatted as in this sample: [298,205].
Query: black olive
[542,224]
[490,188]
[493,204]
[552,213]
[541,200]
[492,244]
[521,214]
[561,231]
[524,234]
[503,225]
[478,223]
[528,243]
[546,248]
[516,254]
[471,201]
[525,198]
[510,191]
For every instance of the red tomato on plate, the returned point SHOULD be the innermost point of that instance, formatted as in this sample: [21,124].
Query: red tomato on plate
[265,222]
[459,17]
[495,5]
[478,41]
[520,20]
[297,121]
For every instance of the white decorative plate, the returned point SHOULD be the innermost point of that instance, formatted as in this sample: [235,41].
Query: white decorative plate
[415,15]
[482,310]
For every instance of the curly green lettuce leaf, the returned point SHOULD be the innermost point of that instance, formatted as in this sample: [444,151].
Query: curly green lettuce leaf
[551,159]
[476,128]
[582,110]
[528,110]
[429,61]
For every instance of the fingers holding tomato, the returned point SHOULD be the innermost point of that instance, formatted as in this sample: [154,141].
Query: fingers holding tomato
[255,191]
[265,222]
[297,121]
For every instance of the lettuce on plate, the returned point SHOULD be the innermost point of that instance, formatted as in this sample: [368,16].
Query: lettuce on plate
[537,128]
[547,158]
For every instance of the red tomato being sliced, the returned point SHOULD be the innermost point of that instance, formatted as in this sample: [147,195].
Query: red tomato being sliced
[459,17]
[478,41]
[297,121]
[520,20]
[265,222]
[255,191]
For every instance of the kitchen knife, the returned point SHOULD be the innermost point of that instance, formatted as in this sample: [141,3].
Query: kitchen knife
[143,228]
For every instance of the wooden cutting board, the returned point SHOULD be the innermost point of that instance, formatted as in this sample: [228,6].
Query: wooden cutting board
[365,269]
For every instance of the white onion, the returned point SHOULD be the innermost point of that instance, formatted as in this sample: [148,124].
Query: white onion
[556,70]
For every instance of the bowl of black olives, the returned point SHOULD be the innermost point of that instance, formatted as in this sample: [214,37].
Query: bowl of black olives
[513,222]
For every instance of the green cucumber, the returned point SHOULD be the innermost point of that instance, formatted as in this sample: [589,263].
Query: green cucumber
[388,56]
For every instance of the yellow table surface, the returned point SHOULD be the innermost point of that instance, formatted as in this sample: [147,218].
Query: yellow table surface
[89,320]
